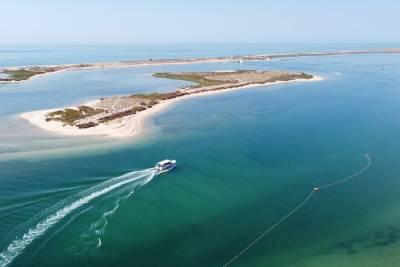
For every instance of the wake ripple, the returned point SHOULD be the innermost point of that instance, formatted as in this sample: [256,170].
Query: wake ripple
[59,211]
[92,237]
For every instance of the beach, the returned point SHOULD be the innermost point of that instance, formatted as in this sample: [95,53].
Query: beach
[132,125]
[37,71]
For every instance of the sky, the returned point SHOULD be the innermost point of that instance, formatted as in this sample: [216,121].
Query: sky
[203,21]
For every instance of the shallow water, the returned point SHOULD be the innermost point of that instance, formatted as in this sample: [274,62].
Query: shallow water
[244,160]
[4,75]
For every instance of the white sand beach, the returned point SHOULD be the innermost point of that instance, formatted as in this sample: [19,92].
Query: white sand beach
[130,125]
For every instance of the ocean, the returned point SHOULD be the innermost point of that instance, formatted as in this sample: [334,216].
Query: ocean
[245,159]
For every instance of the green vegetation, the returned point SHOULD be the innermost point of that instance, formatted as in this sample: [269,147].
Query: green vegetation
[149,96]
[26,73]
[198,78]
[155,97]
[20,75]
[70,116]
[203,79]
[122,114]
[287,77]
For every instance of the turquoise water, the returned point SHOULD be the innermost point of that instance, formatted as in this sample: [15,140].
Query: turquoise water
[245,159]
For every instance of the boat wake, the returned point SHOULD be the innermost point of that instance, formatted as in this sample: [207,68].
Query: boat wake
[37,226]
[92,237]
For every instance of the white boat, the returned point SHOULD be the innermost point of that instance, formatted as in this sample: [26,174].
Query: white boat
[165,165]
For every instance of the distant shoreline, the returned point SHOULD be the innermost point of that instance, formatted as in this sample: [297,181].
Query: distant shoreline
[130,125]
[24,73]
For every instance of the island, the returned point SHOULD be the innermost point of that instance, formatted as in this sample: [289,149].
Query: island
[19,74]
[121,116]
[25,73]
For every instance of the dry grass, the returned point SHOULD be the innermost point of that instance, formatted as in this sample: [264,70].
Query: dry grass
[70,116]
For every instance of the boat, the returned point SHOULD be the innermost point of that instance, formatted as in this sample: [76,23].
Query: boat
[165,165]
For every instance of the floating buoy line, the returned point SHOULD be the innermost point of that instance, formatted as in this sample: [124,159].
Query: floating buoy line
[294,210]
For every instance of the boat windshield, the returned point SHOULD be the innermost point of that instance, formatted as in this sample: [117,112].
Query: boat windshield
[162,163]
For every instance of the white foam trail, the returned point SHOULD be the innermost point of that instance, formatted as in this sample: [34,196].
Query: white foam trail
[108,213]
[18,245]
[92,237]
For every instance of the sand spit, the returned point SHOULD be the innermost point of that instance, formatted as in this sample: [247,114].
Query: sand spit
[36,71]
[132,125]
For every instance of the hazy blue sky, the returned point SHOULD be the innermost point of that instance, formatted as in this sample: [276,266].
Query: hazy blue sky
[123,21]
